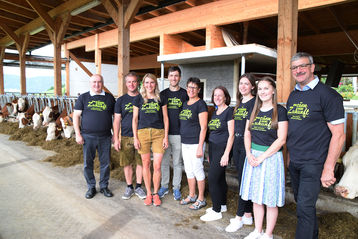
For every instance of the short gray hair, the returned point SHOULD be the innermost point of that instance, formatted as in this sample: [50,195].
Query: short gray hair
[299,55]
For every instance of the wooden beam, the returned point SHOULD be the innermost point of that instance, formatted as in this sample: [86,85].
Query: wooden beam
[98,56]
[123,49]
[214,37]
[144,62]
[37,23]
[2,55]
[10,32]
[67,67]
[171,8]
[171,44]
[112,10]
[151,2]
[79,63]
[12,56]
[21,48]
[177,22]
[131,11]
[191,3]
[286,46]
[18,11]
[42,13]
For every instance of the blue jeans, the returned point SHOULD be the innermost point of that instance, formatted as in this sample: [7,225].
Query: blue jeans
[103,146]
[306,185]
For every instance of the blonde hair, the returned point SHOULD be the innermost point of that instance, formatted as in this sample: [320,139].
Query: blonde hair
[258,104]
[143,91]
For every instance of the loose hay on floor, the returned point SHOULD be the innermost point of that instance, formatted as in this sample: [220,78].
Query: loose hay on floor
[69,153]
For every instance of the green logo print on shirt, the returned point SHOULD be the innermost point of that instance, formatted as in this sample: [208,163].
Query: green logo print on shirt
[214,124]
[174,103]
[240,114]
[185,114]
[298,111]
[129,107]
[261,123]
[97,105]
[150,107]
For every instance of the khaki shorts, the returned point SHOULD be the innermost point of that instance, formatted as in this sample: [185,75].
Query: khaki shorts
[151,138]
[128,154]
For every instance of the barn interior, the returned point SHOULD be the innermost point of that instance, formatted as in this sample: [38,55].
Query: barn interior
[326,29]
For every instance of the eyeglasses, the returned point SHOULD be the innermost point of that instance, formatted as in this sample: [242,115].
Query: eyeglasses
[192,87]
[302,66]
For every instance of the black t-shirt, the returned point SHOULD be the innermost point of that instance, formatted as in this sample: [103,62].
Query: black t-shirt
[261,131]
[308,113]
[175,101]
[241,115]
[218,126]
[189,121]
[124,107]
[97,112]
[150,113]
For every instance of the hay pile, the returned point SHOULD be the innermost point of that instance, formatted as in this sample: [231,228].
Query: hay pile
[69,153]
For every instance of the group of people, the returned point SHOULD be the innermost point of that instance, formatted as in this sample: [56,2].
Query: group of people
[173,125]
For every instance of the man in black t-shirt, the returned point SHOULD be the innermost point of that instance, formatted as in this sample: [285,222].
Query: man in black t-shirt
[175,96]
[315,138]
[93,112]
[124,143]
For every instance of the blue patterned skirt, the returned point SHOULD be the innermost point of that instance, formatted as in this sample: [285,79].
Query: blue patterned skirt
[264,184]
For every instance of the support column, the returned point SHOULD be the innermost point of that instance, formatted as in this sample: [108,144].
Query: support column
[24,40]
[123,48]
[286,46]
[214,37]
[97,56]
[67,67]
[2,56]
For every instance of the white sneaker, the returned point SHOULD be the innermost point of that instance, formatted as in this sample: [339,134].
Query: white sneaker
[211,216]
[223,209]
[247,220]
[254,235]
[265,236]
[234,225]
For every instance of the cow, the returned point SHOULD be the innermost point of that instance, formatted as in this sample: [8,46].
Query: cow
[4,114]
[26,117]
[348,186]
[52,131]
[67,125]
[22,105]
[49,114]
[37,120]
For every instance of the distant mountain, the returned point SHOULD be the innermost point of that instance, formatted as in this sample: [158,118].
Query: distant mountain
[37,84]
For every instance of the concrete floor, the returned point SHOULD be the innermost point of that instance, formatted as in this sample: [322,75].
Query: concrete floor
[41,201]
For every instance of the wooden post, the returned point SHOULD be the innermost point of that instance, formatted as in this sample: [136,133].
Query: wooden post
[123,48]
[97,56]
[286,46]
[214,37]
[2,55]
[22,47]
[67,67]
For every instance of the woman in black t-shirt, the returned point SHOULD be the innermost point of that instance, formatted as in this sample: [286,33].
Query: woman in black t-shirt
[193,126]
[263,176]
[150,131]
[221,138]
[245,100]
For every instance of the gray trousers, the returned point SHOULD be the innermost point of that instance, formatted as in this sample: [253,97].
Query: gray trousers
[173,151]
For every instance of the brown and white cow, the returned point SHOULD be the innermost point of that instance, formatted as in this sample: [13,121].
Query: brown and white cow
[4,114]
[67,125]
[26,117]
[348,185]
